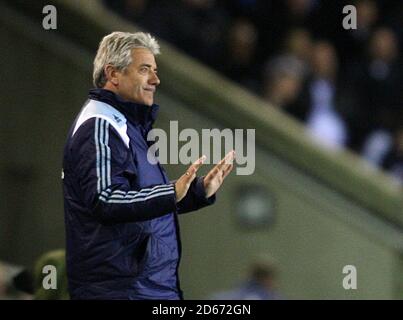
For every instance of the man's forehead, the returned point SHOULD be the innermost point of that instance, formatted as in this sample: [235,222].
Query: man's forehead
[143,56]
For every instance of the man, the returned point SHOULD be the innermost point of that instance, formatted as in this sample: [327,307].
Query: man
[122,235]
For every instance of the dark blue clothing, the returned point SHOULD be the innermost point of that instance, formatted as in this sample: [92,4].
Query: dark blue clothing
[122,233]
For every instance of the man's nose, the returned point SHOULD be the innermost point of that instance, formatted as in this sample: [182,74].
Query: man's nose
[154,80]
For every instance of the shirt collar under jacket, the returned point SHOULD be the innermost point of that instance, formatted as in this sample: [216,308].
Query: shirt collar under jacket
[134,112]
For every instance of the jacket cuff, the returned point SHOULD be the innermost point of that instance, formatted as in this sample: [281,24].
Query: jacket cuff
[200,192]
[171,200]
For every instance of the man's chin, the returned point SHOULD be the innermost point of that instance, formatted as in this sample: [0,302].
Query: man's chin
[146,102]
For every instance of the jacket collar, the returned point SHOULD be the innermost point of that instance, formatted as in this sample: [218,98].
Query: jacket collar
[135,112]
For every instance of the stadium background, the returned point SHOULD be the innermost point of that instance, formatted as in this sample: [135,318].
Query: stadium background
[316,205]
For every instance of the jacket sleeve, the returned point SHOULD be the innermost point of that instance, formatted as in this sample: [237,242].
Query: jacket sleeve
[195,197]
[106,173]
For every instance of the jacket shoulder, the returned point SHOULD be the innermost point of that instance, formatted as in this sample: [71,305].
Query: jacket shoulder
[97,109]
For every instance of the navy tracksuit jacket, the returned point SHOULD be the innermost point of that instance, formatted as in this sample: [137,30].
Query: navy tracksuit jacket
[122,233]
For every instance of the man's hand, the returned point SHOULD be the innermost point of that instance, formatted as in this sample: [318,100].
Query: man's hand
[183,183]
[215,178]
[212,182]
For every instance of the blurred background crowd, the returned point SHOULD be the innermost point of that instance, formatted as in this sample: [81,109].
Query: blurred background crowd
[345,85]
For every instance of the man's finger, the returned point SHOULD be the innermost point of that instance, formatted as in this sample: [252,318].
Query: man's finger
[227,160]
[228,170]
[195,166]
[198,163]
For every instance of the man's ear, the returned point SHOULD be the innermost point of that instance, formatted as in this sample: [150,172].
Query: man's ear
[111,74]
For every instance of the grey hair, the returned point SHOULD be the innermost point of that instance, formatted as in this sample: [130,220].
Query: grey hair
[116,48]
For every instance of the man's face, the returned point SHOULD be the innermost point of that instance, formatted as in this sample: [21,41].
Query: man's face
[137,83]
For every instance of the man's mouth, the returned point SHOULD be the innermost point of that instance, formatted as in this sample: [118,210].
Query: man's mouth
[150,89]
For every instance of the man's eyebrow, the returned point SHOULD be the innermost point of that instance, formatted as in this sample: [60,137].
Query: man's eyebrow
[147,65]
